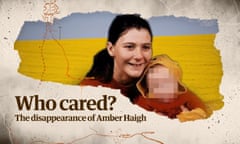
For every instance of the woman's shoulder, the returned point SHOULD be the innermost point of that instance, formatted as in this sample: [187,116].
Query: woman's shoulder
[91,81]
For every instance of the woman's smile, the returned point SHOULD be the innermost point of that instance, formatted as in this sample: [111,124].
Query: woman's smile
[136,64]
[137,67]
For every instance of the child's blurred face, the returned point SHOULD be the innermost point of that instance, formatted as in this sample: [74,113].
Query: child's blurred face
[161,83]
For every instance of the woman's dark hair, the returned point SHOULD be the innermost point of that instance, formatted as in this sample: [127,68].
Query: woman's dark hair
[121,23]
[102,68]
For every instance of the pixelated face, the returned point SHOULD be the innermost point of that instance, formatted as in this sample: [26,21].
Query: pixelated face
[161,83]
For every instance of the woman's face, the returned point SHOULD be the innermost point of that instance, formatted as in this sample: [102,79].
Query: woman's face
[131,53]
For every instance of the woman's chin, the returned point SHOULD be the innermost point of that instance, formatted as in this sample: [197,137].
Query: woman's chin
[135,74]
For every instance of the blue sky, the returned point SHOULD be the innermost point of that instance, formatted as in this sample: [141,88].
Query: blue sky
[95,25]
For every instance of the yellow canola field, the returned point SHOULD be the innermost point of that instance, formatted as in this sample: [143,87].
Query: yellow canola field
[67,61]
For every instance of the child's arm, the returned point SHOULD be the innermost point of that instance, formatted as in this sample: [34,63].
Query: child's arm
[197,108]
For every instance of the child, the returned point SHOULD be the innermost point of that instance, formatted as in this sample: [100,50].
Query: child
[163,92]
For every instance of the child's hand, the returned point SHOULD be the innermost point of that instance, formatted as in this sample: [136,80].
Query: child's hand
[194,114]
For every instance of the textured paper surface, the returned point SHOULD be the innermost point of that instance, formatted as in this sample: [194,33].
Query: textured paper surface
[222,127]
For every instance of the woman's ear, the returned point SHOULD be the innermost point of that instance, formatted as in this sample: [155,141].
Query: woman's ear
[110,49]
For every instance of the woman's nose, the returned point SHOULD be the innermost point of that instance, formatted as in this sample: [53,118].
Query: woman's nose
[138,54]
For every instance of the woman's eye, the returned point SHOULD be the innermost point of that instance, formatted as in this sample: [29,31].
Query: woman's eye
[129,46]
[146,47]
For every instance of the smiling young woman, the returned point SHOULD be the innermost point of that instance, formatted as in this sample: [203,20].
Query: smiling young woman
[128,51]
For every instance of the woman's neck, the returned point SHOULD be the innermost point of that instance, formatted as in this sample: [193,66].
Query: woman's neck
[124,81]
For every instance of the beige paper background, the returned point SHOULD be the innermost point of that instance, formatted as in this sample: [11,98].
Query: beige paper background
[222,127]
